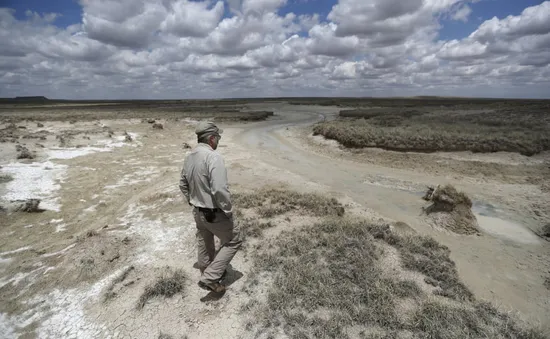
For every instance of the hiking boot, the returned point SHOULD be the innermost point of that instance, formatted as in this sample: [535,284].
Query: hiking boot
[212,286]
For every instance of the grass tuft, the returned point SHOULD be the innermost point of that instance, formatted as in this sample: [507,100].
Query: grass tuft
[110,294]
[167,286]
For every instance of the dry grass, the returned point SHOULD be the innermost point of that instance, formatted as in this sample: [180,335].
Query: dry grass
[424,130]
[167,286]
[158,196]
[328,280]
[270,202]
[109,293]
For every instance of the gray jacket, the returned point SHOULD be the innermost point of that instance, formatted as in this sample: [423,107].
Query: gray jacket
[203,180]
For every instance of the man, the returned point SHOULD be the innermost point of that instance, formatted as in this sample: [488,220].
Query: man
[204,184]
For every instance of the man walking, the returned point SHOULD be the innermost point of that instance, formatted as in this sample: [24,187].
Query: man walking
[204,184]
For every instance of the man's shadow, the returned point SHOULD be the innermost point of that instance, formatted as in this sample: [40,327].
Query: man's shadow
[230,278]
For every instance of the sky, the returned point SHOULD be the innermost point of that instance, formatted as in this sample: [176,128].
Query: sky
[179,49]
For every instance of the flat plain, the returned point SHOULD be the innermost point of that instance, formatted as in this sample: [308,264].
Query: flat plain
[328,191]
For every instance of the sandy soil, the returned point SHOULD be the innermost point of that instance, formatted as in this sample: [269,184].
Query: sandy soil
[113,204]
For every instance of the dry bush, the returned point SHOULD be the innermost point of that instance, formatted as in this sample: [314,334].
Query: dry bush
[328,278]
[28,206]
[5,177]
[410,130]
[167,286]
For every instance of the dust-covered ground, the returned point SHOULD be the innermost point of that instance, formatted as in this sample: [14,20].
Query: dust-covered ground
[115,222]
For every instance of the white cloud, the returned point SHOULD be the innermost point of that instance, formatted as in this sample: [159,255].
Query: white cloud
[462,14]
[123,23]
[184,48]
[190,18]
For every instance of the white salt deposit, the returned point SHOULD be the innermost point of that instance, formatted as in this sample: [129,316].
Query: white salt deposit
[70,153]
[143,175]
[106,145]
[41,180]
[35,181]
[60,314]
[47,255]
[60,228]
[163,236]
[21,249]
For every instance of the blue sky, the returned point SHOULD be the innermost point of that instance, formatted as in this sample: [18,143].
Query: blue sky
[71,12]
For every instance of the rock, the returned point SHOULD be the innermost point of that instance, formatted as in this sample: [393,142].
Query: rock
[29,206]
[157,125]
[151,121]
[22,127]
[39,124]
[186,146]
[23,152]
[546,231]
[127,137]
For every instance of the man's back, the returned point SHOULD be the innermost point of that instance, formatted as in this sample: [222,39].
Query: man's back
[204,179]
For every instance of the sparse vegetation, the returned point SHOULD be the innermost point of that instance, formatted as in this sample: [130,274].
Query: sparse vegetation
[328,279]
[219,110]
[166,285]
[271,201]
[425,129]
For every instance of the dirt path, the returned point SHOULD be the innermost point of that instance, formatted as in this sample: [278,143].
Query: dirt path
[122,209]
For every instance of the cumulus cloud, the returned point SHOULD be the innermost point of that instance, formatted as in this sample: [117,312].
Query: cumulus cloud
[195,19]
[197,48]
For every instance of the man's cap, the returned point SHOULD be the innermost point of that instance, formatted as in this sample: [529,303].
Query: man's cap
[207,128]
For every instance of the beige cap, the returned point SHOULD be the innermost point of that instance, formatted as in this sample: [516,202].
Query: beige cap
[207,128]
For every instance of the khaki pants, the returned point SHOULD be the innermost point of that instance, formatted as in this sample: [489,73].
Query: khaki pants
[214,264]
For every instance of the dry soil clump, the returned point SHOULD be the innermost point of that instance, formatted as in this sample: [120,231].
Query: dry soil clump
[451,210]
